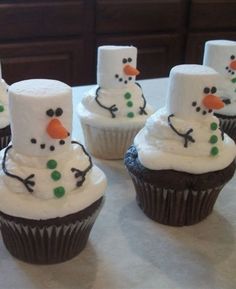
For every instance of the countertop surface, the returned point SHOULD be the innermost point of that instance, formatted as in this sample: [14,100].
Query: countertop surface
[126,250]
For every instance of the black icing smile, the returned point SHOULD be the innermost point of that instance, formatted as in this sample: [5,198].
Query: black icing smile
[43,145]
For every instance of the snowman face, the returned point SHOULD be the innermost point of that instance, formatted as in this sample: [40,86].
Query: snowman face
[116,66]
[41,117]
[231,67]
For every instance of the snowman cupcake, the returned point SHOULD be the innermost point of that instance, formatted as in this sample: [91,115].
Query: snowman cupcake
[221,55]
[113,113]
[5,131]
[180,160]
[50,191]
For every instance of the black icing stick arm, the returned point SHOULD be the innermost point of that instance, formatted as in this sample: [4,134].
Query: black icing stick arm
[112,109]
[186,136]
[27,182]
[80,175]
[142,108]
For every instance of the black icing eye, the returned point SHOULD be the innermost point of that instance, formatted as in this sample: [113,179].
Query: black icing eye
[206,90]
[59,111]
[213,89]
[116,75]
[50,112]
[232,57]
[129,59]
[124,60]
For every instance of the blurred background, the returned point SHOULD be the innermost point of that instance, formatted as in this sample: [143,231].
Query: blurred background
[59,38]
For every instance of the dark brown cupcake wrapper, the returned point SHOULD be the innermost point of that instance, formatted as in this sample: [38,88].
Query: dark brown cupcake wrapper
[228,125]
[172,207]
[48,244]
[4,141]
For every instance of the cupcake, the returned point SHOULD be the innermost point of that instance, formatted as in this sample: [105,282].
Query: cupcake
[180,160]
[50,191]
[112,113]
[5,131]
[221,56]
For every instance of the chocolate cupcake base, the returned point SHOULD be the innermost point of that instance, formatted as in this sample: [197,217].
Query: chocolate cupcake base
[175,198]
[5,136]
[49,241]
[228,125]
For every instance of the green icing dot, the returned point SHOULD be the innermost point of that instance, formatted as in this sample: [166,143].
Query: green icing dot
[1,108]
[55,175]
[214,126]
[129,103]
[59,192]
[213,139]
[214,151]
[130,114]
[127,95]
[51,164]
[233,80]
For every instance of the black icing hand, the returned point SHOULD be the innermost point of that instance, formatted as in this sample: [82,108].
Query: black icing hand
[29,183]
[112,109]
[187,137]
[79,175]
[142,110]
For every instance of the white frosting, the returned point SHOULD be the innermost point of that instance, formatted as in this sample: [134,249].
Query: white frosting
[217,54]
[4,115]
[159,147]
[110,65]
[29,101]
[91,113]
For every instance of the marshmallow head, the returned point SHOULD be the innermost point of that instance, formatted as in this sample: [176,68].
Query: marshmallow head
[116,66]
[221,56]
[192,92]
[40,116]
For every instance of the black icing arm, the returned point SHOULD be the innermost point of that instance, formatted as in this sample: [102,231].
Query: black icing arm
[111,109]
[142,108]
[80,175]
[27,182]
[187,137]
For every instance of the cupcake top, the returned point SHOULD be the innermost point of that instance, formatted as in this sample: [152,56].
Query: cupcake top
[4,113]
[221,56]
[44,172]
[118,97]
[185,135]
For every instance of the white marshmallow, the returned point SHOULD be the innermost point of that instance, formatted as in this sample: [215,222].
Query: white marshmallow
[217,55]
[110,65]
[29,100]
[186,86]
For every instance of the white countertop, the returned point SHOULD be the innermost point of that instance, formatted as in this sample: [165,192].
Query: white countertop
[126,250]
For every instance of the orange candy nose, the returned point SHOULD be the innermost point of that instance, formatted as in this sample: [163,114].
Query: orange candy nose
[211,101]
[233,65]
[56,130]
[130,70]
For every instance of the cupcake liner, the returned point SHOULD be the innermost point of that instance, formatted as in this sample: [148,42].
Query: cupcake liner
[49,241]
[175,207]
[5,136]
[108,143]
[228,125]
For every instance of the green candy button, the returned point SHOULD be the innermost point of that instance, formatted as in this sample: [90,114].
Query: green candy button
[129,103]
[213,139]
[1,108]
[130,114]
[55,175]
[214,151]
[51,164]
[214,126]
[127,95]
[59,192]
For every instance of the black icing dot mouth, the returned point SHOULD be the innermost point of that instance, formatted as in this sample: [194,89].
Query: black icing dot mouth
[199,109]
[120,79]
[52,148]
[33,140]
[61,142]
[42,146]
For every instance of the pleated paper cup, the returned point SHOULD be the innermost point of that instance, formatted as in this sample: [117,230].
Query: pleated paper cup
[228,125]
[173,207]
[108,143]
[49,241]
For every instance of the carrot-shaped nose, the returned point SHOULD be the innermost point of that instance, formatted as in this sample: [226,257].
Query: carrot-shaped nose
[56,130]
[233,65]
[130,70]
[211,101]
